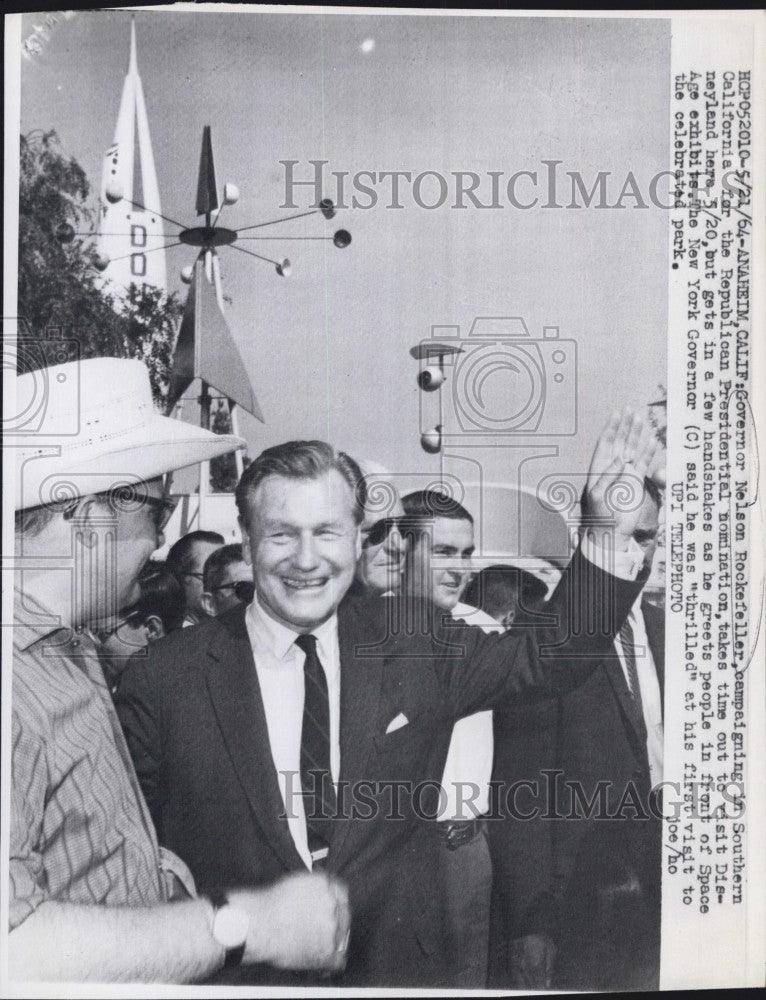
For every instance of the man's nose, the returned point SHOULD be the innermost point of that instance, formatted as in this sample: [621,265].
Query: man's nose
[394,548]
[305,557]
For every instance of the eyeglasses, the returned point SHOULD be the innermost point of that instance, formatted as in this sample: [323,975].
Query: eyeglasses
[133,619]
[161,509]
[244,590]
[380,530]
[197,576]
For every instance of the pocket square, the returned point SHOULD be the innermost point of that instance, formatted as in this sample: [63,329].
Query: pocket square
[396,723]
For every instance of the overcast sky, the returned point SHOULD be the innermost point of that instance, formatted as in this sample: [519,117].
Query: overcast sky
[327,348]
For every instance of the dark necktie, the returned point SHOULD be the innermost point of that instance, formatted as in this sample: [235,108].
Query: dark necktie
[627,642]
[316,776]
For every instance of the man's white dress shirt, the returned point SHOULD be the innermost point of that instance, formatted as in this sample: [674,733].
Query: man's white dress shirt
[279,667]
[468,769]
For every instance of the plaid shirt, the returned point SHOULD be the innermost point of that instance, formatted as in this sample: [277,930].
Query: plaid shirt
[80,829]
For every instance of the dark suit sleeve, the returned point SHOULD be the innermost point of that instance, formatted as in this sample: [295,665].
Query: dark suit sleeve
[138,707]
[585,612]
[526,737]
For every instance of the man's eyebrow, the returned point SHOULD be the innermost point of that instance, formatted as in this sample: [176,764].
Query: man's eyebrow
[276,523]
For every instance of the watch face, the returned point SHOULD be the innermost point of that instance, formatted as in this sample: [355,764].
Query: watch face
[230,926]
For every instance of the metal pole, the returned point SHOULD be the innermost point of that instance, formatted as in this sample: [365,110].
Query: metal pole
[216,268]
[234,417]
[204,469]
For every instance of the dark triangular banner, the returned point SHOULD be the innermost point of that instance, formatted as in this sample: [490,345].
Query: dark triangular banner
[207,191]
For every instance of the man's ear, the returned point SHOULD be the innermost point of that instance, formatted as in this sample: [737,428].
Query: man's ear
[82,509]
[85,511]
[246,554]
[206,602]
[154,627]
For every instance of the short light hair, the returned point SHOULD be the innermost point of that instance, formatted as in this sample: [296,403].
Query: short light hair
[299,460]
[217,562]
[30,521]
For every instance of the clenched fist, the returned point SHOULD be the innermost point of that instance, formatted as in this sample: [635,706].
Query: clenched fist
[300,922]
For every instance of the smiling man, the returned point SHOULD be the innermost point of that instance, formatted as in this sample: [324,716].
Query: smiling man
[298,733]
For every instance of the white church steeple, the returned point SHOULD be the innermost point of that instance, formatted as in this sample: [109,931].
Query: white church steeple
[130,225]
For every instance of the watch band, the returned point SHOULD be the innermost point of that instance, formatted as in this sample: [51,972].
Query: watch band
[232,956]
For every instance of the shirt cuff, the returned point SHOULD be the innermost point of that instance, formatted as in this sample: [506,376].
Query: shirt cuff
[178,880]
[626,565]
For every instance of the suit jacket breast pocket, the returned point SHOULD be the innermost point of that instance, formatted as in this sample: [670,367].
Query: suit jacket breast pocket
[400,754]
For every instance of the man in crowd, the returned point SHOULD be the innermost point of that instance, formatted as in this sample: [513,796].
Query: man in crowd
[158,610]
[581,897]
[227,580]
[89,888]
[186,559]
[297,733]
[381,562]
[511,596]
[438,567]
[611,729]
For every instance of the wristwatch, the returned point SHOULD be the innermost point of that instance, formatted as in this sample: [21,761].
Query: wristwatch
[230,927]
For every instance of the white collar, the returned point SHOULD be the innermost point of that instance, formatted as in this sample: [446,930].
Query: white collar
[280,640]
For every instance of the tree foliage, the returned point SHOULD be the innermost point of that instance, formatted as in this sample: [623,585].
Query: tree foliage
[59,295]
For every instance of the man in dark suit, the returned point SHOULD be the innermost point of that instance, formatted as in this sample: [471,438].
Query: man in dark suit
[304,732]
[586,888]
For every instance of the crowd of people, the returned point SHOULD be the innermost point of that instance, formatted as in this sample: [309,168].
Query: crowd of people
[333,753]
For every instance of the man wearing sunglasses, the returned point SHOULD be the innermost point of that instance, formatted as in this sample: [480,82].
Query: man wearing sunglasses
[381,562]
[89,888]
[227,579]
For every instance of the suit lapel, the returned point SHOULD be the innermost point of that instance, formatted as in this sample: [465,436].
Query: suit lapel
[232,682]
[360,694]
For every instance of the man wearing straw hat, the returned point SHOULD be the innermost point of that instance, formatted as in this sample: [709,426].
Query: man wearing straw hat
[89,888]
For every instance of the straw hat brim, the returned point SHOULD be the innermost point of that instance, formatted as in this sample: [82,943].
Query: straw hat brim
[55,469]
